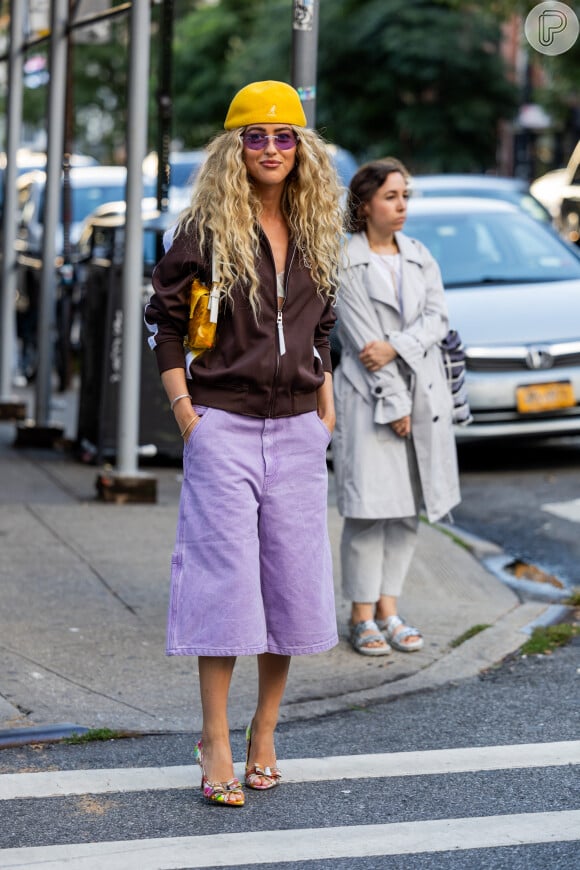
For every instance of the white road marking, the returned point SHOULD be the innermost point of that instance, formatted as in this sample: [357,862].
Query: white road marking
[439,761]
[566,510]
[305,844]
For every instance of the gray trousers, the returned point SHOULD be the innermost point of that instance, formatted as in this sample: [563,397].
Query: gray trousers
[376,556]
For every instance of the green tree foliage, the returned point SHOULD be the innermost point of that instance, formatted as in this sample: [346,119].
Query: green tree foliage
[100,94]
[422,79]
[207,44]
[34,98]
[99,86]
[553,81]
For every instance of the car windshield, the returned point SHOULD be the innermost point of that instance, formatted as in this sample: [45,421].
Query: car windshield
[184,173]
[345,165]
[521,198]
[86,199]
[474,249]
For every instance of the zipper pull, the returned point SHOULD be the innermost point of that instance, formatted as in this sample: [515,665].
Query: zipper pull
[281,333]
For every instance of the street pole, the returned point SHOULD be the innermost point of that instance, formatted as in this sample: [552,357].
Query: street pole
[304,54]
[66,271]
[10,409]
[45,432]
[126,485]
[138,81]
[164,110]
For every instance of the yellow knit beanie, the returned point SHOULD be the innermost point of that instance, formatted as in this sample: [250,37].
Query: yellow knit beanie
[265,103]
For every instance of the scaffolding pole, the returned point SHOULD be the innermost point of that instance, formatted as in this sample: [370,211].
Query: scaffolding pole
[8,349]
[126,484]
[52,204]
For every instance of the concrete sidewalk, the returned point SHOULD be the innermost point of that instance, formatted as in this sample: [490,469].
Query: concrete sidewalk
[84,597]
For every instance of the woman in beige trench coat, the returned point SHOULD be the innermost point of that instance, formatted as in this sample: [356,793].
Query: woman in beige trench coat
[393,446]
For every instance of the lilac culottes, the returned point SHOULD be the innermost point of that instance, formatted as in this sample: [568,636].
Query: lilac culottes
[252,569]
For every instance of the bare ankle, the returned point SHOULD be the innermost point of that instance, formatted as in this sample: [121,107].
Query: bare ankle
[361,612]
[263,724]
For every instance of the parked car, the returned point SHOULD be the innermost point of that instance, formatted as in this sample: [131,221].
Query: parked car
[183,168]
[568,221]
[90,186]
[513,292]
[548,188]
[27,161]
[106,225]
[345,163]
[514,190]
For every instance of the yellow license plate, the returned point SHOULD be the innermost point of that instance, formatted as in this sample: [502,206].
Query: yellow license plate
[545,397]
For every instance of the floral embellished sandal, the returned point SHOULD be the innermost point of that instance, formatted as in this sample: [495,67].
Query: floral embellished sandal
[396,631]
[360,641]
[228,793]
[258,777]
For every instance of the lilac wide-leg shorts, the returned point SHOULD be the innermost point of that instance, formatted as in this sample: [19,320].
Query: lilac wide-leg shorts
[252,567]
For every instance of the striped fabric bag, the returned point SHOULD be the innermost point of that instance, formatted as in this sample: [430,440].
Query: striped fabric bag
[453,354]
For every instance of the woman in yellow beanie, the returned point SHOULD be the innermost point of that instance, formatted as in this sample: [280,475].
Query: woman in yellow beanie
[252,570]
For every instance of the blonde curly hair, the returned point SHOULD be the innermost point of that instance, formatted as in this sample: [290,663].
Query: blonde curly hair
[226,212]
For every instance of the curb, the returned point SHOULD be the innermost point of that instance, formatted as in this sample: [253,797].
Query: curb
[471,658]
[495,560]
[475,655]
[11,737]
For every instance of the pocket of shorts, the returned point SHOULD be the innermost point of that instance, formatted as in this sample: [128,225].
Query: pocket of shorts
[203,413]
[325,428]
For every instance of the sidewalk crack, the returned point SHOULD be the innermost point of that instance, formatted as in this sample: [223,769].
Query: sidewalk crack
[83,559]
[72,682]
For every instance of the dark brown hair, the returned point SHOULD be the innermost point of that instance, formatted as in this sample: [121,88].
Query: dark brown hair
[363,186]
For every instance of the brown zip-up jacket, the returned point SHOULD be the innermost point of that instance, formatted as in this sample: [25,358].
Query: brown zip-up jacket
[245,371]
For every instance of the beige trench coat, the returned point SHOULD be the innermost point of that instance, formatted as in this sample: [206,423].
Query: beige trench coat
[371,462]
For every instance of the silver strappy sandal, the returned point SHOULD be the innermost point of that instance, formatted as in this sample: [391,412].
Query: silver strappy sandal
[359,643]
[396,638]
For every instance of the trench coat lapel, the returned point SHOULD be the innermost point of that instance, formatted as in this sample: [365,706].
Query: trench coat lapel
[413,291]
[378,289]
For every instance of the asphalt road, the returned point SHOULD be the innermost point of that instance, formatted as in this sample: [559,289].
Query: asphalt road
[523,497]
[534,700]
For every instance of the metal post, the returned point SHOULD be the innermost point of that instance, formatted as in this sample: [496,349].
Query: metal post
[138,93]
[165,111]
[52,204]
[304,54]
[66,271]
[14,126]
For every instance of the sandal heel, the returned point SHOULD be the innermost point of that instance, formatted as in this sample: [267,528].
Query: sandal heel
[258,777]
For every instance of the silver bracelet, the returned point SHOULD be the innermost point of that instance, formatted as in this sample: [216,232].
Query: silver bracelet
[177,398]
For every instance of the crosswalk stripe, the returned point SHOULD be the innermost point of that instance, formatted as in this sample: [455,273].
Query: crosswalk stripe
[566,510]
[305,844]
[439,761]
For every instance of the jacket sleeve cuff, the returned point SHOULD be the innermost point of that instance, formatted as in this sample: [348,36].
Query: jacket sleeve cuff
[392,407]
[170,355]
[408,348]
[325,358]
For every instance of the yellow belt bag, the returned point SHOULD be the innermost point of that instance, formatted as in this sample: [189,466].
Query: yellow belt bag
[203,315]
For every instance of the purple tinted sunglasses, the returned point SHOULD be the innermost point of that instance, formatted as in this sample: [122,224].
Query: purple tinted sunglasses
[257,141]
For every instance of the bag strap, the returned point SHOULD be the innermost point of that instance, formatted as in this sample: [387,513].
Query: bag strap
[214,296]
